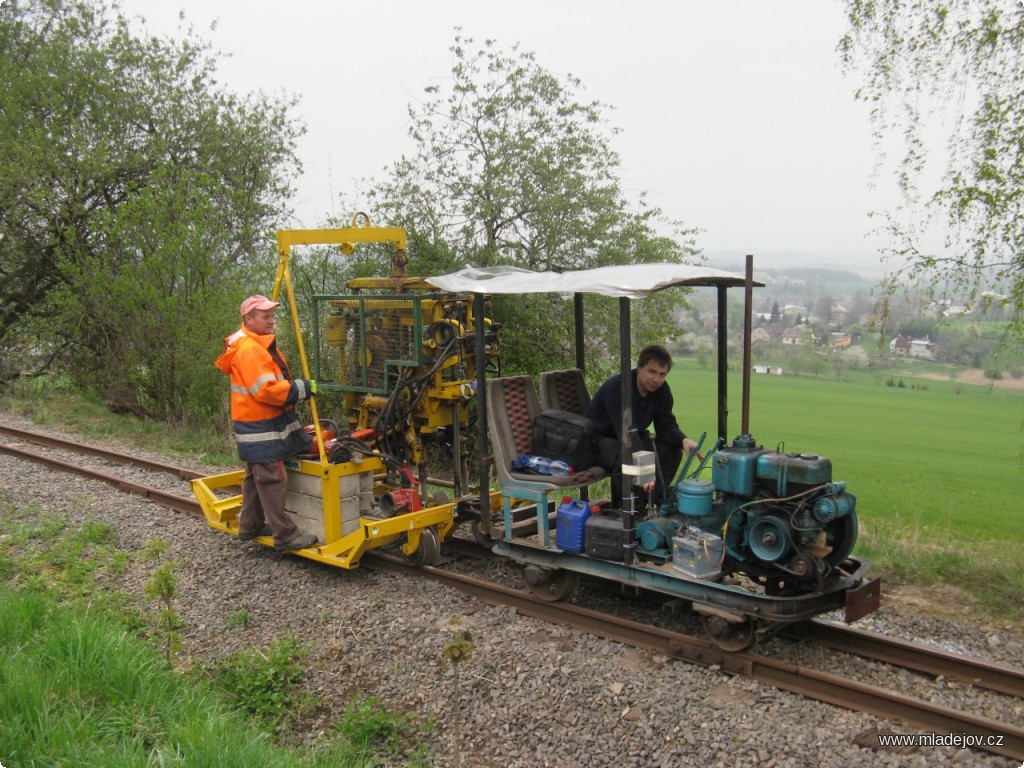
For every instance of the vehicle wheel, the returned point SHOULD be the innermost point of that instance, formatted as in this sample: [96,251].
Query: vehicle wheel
[428,552]
[551,585]
[727,635]
[485,540]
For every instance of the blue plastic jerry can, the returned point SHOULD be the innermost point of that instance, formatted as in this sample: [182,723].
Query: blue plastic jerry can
[570,524]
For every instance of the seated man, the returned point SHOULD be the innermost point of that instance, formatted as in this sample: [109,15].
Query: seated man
[652,404]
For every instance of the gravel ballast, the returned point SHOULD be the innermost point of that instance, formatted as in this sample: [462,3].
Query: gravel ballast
[531,694]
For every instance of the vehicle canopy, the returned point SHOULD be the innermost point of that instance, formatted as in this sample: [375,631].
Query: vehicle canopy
[632,281]
[625,281]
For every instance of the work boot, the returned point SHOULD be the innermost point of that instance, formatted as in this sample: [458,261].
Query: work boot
[263,530]
[302,541]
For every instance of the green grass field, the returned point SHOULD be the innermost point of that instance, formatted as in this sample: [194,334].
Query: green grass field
[937,467]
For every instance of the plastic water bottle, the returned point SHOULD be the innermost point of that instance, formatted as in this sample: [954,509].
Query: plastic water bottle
[541,465]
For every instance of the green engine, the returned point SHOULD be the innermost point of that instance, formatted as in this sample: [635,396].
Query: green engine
[775,517]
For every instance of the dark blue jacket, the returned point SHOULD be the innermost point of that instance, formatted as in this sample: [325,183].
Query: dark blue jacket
[605,410]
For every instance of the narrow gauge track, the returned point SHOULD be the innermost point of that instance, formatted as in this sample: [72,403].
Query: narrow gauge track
[164,499]
[115,457]
[813,684]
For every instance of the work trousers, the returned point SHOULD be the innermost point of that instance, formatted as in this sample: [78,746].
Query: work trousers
[264,488]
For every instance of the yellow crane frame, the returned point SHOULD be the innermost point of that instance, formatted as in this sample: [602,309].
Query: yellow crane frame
[346,536]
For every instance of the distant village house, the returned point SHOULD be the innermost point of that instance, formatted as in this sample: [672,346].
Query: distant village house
[904,346]
[839,341]
[922,348]
[798,335]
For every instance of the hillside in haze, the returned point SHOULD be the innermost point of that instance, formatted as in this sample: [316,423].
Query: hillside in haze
[863,263]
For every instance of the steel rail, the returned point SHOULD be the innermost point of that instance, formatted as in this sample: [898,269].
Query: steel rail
[821,686]
[980,673]
[90,450]
[921,658]
[164,499]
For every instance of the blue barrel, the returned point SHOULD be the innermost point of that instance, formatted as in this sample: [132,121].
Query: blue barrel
[570,524]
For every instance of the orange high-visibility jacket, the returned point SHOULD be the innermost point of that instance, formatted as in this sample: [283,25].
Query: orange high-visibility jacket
[263,395]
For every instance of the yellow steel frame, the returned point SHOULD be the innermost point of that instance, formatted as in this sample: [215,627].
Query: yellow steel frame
[346,238]
[344,551]
[221,512]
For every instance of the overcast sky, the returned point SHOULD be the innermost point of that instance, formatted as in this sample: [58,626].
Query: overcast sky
[734,116]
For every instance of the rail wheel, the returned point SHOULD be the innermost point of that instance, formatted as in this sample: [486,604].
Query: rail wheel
[484,539]
[551,585]
[728,635]
[428,552]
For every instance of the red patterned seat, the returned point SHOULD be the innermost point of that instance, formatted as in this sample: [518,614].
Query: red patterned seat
[512,406]
[564,390]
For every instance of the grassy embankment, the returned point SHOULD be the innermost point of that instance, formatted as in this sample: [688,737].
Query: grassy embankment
[82,687]
[937,468]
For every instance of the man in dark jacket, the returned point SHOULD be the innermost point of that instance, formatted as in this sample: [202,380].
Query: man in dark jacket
[652,404]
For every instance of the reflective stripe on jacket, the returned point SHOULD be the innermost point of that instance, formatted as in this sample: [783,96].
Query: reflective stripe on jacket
[263,394]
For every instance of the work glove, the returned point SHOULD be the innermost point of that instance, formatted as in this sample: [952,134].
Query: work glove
[307,391]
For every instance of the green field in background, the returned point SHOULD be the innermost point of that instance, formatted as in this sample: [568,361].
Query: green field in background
[941,460]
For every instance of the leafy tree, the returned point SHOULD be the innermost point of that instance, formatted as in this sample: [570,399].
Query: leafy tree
[705,350]
[802,359]
[823,310]
[511,167]
[962,58]
[838,362]
[963,347]
[134,196]
[859,307]
[917,326]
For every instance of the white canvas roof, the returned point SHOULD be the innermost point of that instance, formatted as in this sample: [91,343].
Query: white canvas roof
[630,280]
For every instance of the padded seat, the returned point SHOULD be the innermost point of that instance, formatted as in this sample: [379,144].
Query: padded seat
[512,405]
[564,390]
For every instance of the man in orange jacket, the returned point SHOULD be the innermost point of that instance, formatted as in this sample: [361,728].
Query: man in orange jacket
[267,429]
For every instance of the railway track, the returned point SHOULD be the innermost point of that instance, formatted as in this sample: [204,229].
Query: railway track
[999,738]
[163,498]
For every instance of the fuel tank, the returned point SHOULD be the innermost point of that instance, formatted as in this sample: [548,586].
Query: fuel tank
[733,468]
[793,472]
[737,468]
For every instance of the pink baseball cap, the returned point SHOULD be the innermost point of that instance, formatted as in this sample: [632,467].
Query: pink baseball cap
[258,302]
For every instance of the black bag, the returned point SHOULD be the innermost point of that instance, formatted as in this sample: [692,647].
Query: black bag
[566,436]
